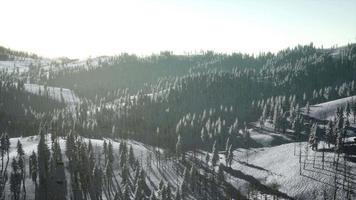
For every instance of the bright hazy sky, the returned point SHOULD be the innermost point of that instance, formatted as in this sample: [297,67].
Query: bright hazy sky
[82,28]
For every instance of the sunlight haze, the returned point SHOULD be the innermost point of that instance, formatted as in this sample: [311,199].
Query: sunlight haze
[83,28]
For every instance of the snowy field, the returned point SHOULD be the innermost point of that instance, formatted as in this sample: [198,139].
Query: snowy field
[327,110]
[167,172]
[278,167]
[22,65]
[14,67]
[64,95]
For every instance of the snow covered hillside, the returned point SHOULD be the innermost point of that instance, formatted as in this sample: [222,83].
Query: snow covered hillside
[22,65]
[278,168]
[163,169]
[327,110]
[64,95]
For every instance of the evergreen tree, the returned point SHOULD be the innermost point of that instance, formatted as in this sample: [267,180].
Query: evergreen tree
[207,158]
[127,193]
[227,145]
[33,170]
[307,108]
[215,153]
[348,110]
[168,192]
[15,180]
[204,136]
[179,146]
[276,118]
[5,146]
[177,196]
[185,183]
[153,196]
[313,139]
[221,177]
[110,153]
[43,167]
[21,164]
[131,156]
[353,107]
[330,136]
[230,156]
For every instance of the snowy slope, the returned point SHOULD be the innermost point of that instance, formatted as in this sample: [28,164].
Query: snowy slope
[327,110]
[279,166]
[141,151]
[64,95]
[22,65]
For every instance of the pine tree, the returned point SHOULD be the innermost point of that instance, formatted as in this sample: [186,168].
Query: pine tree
[105,151]
[353,107]
[15,181]
[125,174]
[131,156]
[168,192]
[215,153]
[185,182]
[348,110]
[204,136]
[179,147]
[177,196]
[227,145]
[110,153]
[163,193]
[307,108]
[264,114]
[138,191]
[207,158]
[43,167]
[5,145]
[330,136]
[127,193]
[313,139]
[230,156]
[221,177]
[33,167]
[97,183]
[21,164]
[275,118]
[153,196]
[193,178]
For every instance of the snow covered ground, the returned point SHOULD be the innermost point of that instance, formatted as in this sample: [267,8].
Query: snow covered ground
[64,95]
[278,167]
[13,66]
[22,65]
[327,110]
[267,136]
[155,173]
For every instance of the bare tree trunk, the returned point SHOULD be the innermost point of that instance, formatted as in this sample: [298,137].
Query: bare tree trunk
[306,156]
[23,184]
[337,161]
[314,159]
[335,185]
[323,156]
[345,171]
[300,158]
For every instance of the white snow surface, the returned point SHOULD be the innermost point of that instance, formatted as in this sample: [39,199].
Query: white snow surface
[64,95]
[141,151]
[22,65]
[279,166]
[327,110]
